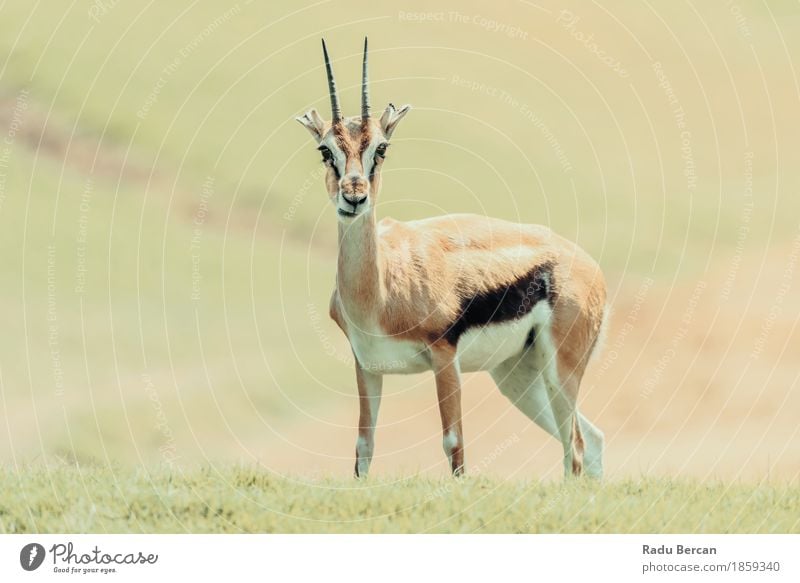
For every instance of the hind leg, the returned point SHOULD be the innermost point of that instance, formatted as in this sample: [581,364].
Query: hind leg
[524,386]
[528,387]
[565,412]
[593,443]
[525,383]
[582,440]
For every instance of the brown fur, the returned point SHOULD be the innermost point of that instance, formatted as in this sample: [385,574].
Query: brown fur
[353,137]
[424,271]
[448,391]
[410,279]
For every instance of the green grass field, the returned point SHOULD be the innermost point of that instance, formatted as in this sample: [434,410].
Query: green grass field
[243,500]
[169,253]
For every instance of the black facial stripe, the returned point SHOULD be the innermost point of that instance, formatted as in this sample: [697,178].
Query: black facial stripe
[504,303]
[329,159]
[335,167]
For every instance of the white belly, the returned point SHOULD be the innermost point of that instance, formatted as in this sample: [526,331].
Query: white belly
[386,355]
[485,347]
[479,348]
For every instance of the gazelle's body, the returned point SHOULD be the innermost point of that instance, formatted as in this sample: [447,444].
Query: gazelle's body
[455,294]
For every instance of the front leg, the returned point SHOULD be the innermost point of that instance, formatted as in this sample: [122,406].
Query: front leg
[370,388]
[448,390]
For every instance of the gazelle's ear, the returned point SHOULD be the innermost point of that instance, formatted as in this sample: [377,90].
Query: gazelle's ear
[313,123]
[391,117]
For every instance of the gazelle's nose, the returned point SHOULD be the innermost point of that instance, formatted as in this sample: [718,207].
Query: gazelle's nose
[355,200]
[354,185]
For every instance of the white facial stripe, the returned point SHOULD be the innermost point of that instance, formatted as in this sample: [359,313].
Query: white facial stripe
[339,159]
[368,157]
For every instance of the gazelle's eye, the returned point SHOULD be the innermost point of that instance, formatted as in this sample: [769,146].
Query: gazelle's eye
[380,151]
[327,155]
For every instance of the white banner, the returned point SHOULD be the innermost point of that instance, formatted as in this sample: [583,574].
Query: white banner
[402,558]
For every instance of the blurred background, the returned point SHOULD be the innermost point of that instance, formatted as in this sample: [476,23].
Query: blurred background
[169,251]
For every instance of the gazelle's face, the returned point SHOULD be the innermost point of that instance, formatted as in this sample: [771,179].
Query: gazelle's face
[353,152]
[353,149]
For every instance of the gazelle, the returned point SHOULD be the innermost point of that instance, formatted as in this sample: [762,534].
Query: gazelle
[453,294]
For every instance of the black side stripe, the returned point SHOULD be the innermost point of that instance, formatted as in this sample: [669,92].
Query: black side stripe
[505,303]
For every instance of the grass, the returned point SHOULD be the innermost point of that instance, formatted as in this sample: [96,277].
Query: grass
[91,376]
[241,499]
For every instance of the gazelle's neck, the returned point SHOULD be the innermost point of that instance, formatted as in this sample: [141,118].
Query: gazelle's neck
[358,270]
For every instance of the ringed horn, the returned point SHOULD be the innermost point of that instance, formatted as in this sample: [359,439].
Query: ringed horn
[336,110]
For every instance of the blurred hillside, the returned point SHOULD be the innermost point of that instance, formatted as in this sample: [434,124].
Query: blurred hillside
[170,250]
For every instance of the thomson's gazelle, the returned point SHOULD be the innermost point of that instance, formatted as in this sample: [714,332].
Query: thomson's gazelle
[453,294]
